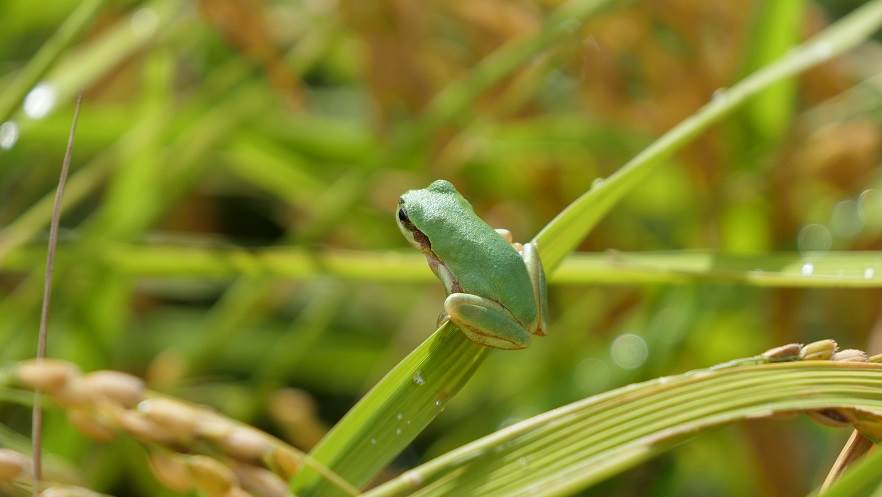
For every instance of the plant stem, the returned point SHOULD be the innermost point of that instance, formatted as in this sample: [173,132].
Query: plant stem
[37,422]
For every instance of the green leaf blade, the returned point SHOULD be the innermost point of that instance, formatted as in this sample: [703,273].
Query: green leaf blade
[394,412]
[569,448]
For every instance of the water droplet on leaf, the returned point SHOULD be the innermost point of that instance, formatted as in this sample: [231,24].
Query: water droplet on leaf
[8,135]
[40,101]
[807,269]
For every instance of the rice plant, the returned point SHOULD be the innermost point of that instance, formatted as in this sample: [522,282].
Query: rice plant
[235,312]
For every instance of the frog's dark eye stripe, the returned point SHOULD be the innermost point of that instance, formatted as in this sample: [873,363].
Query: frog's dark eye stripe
[402,216]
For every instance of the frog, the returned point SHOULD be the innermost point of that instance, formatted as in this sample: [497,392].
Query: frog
[496,289]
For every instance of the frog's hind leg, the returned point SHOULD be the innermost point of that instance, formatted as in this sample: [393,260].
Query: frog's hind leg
[486,322]
[537,278]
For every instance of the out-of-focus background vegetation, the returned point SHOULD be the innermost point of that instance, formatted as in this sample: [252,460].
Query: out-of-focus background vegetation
[253,123]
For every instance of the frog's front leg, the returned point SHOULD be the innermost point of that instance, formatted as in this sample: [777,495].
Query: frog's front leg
[486,322]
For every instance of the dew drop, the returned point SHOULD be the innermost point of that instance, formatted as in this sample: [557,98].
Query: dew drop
[846,220]
[814,237]
[823,50]
[629,351]
[807,269]
[511,420]
[869,273]
[8,135]
[414,478]
[438,403]
[870,208]
[719,95]
[144,22]
[597,182]
[40,101]
[418,378]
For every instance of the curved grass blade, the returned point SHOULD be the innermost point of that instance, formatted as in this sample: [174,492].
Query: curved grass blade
[572,447]
[566,231]
[395,411]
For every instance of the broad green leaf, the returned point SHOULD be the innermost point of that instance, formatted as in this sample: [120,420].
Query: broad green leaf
[397,409]
[570,448]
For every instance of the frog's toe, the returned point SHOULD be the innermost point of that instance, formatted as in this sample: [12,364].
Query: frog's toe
[505,234]
[442,318]
[497,342]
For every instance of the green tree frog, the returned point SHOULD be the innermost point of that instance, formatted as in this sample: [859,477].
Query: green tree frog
[496,288]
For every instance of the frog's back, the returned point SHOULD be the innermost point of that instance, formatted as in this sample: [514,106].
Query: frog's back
[481,260]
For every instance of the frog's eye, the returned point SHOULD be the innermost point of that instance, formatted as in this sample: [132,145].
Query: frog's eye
[402,216]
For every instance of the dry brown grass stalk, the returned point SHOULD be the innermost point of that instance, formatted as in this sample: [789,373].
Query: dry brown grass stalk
[43,333]
[191,445]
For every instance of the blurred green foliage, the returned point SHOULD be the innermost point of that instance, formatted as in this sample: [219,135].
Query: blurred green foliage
[252,124]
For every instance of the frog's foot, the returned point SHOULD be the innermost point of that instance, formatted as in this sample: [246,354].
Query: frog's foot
[486,322]
[505,234]
[442,317]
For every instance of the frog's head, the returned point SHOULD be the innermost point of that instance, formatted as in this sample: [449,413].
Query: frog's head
[443,187]
[409,210]
[417,209]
